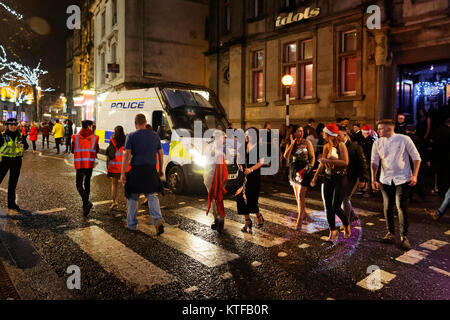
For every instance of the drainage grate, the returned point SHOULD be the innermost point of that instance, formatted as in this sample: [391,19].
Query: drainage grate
[7,290]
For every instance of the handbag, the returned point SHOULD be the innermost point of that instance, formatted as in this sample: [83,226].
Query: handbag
[235,186]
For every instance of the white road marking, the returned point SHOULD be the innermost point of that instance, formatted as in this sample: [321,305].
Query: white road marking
[304,246]
[330,299]
[204,252]
[61,227]
[68,163]
[99,203]
[226,276]
[6,191]
[256,264]
[369,283]
[95,221]
[293,207]
[116,258]
[359,228]
[324,238]
[259,237]
[191,289]
[201,200]
[142,211]
[412,256]
[50,211]
[182,203]
[440,271]
[283,220]
[382,220]
[282,254]
[433,244]
[447,232]
[370,224]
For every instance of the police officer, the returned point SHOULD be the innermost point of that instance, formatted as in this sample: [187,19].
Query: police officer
[13,144]
[85,148]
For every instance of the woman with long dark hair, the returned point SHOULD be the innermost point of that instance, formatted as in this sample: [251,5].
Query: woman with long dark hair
[301,159]
[115,156]
[334,161]
[247,201]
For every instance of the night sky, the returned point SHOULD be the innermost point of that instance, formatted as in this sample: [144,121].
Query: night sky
[39,35]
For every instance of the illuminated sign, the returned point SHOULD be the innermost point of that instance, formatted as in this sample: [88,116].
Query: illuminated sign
[130,105]
[292,17]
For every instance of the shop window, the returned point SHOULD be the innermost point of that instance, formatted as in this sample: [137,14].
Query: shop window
[113,57]
[348,63]
[257,76]
[298,62]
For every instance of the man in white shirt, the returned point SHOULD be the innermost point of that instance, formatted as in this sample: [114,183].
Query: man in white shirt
[394,151]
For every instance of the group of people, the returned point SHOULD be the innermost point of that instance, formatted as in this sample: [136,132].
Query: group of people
[332,155]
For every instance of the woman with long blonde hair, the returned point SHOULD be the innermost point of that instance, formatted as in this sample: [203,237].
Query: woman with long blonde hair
[334,161]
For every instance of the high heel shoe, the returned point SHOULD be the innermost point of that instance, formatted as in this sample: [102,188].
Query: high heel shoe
[260,221]
[114,205]
[248,226]
[333,235]
[347,232]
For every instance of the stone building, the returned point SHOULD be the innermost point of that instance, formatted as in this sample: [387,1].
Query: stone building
[147,41]
[340,66]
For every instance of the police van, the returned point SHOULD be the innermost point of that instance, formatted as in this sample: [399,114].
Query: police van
[167,107]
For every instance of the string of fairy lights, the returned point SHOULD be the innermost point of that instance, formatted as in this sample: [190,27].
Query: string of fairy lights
[12,11]
[430,88]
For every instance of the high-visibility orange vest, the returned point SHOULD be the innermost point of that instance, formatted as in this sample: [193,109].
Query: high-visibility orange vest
[85,152]
[115,165]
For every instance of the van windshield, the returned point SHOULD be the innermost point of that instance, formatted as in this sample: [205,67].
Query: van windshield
[188,106]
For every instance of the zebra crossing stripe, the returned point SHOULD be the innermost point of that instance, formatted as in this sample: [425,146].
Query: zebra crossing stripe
[258,237]
[119,260]
[50,211]
[293,207]
[281,219]
[433,244]
[204,252]
[99,203]
[440,271]
[412,256]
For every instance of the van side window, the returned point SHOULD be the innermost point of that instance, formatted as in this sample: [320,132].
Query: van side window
[160,124]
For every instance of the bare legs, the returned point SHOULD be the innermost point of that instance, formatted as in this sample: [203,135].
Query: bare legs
[300,196]
[114,185]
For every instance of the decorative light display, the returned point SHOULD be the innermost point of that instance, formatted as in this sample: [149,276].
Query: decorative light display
[12,11]
[430,88]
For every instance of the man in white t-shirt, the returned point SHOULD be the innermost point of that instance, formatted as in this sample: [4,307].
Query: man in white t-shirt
[394,151]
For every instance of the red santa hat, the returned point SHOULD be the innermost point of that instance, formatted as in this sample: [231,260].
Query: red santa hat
[402,115]
[366,129]
[331,129]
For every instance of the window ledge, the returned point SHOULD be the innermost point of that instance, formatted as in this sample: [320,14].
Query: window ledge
[256,104]
[297,101]
[348,98]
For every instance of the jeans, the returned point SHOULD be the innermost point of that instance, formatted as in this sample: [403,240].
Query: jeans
[333,195]
[43,141]
[396,196]
[84,191]
[13,165]
[444,205]
[153,205]
[352,185]
[58,143]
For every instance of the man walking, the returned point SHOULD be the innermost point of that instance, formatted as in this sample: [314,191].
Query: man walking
[85,148]
[12,146]
[58,133]
[394,150]
[142,147]
[356,170]
[45,130]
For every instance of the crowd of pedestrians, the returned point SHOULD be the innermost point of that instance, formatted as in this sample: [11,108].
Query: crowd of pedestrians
[394,157]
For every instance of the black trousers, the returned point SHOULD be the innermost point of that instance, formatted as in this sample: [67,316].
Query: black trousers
[13,165]
[68,144]
[43,141]
[34,145]
[83,179]
[396,196]
[58,143]
[333,193]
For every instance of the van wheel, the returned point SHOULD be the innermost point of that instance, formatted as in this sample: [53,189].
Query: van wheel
[175,180]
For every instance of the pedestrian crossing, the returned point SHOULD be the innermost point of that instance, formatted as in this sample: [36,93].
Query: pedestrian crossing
[116,258]
[259,237]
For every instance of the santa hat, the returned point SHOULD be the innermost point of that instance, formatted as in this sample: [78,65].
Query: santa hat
[402,115]
[331,129]
[366,129]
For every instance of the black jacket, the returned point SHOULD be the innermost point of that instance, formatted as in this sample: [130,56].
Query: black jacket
[358,166]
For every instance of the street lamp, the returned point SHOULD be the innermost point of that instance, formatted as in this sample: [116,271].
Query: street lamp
[287,81]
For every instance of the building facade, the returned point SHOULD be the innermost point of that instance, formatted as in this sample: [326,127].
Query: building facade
[138,42]
[341,68]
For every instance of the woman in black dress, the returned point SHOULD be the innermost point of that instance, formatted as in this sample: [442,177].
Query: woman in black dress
[114,153]
[247,201]
[301,158]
